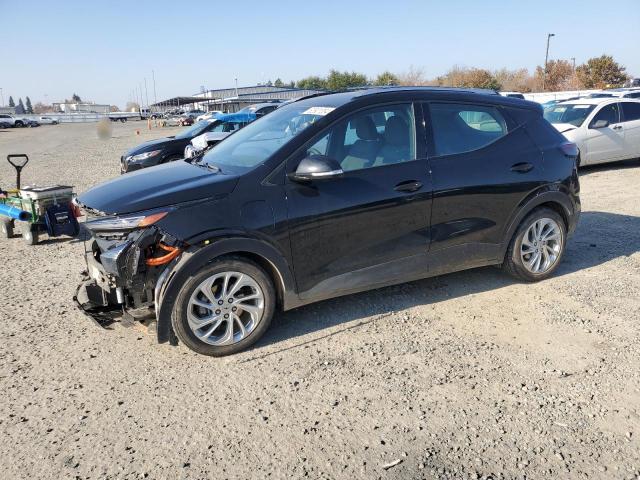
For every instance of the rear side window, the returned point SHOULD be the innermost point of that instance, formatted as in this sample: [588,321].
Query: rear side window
[631,111]
[459,128]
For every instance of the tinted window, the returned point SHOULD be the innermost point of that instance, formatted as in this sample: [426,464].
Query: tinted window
[633,95]
[610,113]
[631,111]
[461,128]
[371,138]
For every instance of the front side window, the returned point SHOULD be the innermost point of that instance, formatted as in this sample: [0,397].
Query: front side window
[459,128]
[610,113]
[371,138]
[631,111]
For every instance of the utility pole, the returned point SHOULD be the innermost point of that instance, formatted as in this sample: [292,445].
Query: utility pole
[2,96]
[141,97]
[573,61]
[236,87]
[546,60]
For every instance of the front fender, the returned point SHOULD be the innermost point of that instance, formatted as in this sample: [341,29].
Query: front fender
[199,255]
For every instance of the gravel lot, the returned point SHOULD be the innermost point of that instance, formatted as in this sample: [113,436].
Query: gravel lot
[469,375]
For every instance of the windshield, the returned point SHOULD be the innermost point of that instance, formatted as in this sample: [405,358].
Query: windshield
[260,139]
[194,130]
[573,114]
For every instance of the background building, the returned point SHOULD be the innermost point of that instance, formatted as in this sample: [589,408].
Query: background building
[232,99]
[72,107]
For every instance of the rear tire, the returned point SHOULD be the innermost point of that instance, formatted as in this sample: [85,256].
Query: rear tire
[30,235]
[537,247]
[213,285]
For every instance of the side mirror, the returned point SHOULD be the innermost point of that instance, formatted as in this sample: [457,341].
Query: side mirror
[600,124]
[316,167]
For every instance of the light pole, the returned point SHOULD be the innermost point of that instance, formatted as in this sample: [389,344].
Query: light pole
[2,96]
[153,75]
[546,60]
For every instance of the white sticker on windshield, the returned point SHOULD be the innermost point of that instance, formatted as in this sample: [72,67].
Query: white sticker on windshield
[318,111]
[581,106]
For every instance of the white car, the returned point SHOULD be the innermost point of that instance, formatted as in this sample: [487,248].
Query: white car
[208,115]
[47,121]
[604,129]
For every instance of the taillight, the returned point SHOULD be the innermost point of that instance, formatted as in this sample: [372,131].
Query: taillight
[570,149]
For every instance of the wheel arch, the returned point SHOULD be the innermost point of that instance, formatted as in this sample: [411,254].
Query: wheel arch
[554,199]
[263,254]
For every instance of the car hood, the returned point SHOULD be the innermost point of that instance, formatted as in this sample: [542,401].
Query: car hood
[152,145]
[160,186]
[564,127]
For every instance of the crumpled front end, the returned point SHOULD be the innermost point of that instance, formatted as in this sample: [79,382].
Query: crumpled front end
[125,267]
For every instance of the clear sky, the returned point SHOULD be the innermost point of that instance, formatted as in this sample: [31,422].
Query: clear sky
[102,50]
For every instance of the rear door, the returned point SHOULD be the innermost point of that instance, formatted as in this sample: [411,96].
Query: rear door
[483,165]
[631,122]
[370,226]
[605,144]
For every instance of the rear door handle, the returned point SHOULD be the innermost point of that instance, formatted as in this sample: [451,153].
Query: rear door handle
[522,167]
[408,186]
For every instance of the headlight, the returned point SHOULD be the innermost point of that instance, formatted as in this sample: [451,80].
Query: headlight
[125,223]
[143,156]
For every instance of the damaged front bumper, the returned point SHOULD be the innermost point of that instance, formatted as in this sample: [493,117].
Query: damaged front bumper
[125,273]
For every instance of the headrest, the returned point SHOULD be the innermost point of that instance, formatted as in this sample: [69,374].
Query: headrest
[365,128]
[396,131]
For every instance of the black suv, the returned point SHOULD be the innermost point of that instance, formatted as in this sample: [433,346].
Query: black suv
[327,196]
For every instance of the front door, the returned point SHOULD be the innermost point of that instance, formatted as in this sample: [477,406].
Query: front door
[371,225]
[605,144]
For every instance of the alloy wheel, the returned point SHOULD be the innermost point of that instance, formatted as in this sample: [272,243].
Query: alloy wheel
[225,308]
[541,245]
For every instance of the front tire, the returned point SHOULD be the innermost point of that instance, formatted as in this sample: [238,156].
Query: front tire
[537,246]
[224,307]
[6,228]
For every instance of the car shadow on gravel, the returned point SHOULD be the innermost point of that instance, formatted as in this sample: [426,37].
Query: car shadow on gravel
[606,167]
[600,237]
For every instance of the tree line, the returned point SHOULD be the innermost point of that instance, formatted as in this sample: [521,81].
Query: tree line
[595,73]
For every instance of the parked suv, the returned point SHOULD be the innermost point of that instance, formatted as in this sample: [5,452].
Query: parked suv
[326,196]
[11,121]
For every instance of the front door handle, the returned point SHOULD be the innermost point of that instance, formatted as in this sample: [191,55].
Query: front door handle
[408,186]
[617,127]
[522,167]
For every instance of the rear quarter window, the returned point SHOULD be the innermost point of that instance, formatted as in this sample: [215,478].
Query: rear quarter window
[459,128]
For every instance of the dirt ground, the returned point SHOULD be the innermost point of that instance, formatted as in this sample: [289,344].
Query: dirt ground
[469,375]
